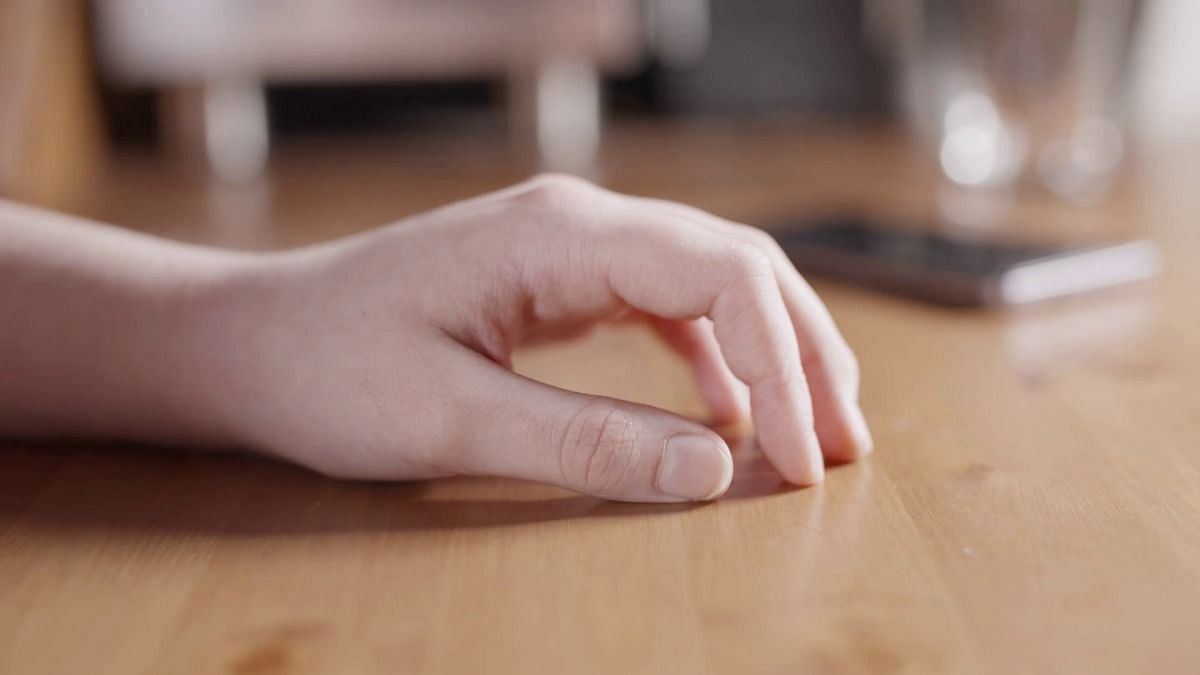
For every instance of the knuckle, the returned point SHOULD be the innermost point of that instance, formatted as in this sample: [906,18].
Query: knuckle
[600,449]
[554,203]
[750,262]
[767,243]
[761,239]
[753,282]
[556,190]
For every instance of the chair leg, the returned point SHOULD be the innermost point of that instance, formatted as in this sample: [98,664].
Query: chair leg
[223,121]
[555,114]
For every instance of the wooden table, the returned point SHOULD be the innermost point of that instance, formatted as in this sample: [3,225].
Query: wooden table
[1033,505]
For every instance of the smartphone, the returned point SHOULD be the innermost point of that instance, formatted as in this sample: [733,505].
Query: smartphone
[956,270]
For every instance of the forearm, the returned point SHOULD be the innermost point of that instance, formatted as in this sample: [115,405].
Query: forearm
[101,331]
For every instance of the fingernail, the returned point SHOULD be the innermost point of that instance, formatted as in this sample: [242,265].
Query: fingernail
[694,467]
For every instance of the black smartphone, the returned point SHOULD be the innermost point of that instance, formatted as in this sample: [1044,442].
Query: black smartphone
[955,270]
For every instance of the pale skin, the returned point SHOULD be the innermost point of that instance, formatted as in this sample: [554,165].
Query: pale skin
[386,355]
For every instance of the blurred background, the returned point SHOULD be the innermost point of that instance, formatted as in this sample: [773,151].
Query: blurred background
[271,122]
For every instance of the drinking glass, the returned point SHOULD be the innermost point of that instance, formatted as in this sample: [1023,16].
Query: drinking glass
[1005,92]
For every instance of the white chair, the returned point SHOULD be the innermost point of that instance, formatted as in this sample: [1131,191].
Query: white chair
[212,58]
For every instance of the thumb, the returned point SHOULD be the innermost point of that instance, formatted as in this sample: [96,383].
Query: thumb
[595,445]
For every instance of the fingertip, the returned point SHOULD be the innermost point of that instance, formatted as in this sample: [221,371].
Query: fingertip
[848,438]
[861,433]
[864,443]
[799,464]
[786,433]
[813,464]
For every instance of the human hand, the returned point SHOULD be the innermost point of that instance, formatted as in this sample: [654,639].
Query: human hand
[387,355]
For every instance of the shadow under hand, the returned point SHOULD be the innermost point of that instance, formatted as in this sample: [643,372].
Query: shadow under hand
[123,488]
[753,475]
[129,488]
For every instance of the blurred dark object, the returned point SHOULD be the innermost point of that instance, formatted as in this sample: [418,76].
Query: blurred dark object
[766,57]
[384,107]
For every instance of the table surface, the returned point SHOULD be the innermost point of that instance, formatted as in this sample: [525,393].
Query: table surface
[1033,504]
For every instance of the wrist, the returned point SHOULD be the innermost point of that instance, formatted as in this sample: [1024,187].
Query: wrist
[215,325]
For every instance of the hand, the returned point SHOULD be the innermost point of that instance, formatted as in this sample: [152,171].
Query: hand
[387,355]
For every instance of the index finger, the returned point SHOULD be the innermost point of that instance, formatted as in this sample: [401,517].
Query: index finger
[828,361]
[664,265]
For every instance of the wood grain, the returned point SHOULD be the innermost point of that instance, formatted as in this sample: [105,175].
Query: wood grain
[1033,505]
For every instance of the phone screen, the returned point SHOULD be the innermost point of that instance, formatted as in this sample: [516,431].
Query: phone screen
[916,249]
[943,268]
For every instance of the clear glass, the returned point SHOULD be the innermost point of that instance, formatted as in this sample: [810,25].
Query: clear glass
[1004,91]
